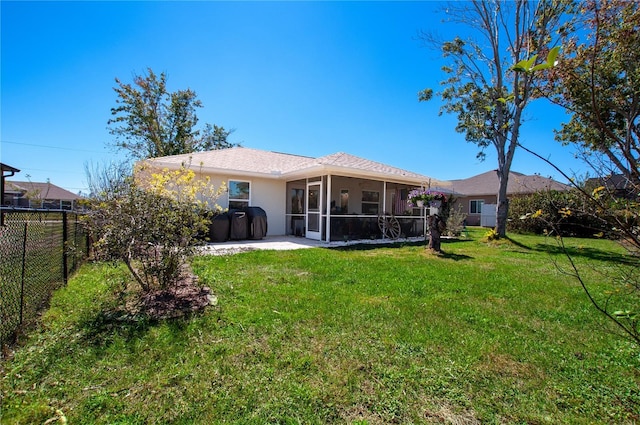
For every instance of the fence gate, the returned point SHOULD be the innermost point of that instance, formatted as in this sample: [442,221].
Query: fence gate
[488,215]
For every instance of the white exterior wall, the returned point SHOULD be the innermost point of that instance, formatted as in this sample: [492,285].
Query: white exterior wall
[268,194]
[271,196]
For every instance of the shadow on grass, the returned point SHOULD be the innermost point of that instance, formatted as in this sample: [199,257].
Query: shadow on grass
[371,246]
[422,243]
[584,252]
[109,325]
[518,244]
[589,253]
[454,257]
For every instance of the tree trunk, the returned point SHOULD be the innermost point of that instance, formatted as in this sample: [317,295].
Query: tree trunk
[502,212]
[434,232]
[136,276]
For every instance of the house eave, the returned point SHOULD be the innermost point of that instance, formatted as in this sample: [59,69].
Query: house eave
[306,172]
[358,173]
[274,175]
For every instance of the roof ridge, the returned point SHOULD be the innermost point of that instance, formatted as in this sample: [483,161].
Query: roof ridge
[289,154]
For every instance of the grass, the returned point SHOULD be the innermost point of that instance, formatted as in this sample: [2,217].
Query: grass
[486,333]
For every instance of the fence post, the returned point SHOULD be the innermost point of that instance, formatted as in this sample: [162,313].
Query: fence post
[65,269]
[24,266]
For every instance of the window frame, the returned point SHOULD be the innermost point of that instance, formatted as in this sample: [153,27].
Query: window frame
[475,202]
[240,202]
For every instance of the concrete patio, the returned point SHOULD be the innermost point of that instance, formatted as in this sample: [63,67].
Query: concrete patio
[282,243]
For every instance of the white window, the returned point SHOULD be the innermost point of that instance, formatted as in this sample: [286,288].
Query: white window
[475,206]
[239,194]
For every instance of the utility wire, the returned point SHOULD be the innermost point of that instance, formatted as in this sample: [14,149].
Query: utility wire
[49,147]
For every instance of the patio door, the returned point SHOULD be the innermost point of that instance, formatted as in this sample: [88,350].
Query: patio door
[314,211]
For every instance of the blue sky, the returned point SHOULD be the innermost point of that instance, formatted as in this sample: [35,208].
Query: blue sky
[308,78]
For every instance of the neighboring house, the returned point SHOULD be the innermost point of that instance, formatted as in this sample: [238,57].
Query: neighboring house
[11,171]
[39,195]
[617,185]
[334,197]
[478,194]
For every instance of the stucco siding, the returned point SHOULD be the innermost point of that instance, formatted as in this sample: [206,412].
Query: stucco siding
[473,219]
[268,194]
[271,196]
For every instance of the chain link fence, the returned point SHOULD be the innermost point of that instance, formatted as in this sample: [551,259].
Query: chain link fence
[38,251]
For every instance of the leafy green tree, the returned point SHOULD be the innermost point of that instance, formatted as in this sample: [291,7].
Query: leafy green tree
[598,83]
[482,88]
[150,121]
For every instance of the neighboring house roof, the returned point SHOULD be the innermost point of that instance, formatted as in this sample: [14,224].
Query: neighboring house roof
[487,184]
[41,190]
[618,184]
[275,165]
[8,169]
[612,182]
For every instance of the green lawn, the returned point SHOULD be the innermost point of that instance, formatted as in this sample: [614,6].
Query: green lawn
[483,334]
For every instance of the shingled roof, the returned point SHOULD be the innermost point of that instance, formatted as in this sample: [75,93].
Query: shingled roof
[276,165]
[488,184]
[41,190]
[237,159]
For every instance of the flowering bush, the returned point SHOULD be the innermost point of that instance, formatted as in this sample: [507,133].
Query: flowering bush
[152,221]
[426,196]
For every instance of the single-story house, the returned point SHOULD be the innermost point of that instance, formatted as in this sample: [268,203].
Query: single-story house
[477,195]
[334,197]
[10,171]
[7,171]
[39,195]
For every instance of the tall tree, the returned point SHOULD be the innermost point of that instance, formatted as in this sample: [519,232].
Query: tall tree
[149,121]
[598,83]
[482,88]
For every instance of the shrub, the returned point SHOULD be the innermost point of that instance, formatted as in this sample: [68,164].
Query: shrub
[455,220]
[151,223]
[566,212]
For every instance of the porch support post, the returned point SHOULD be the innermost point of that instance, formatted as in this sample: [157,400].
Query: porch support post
[384,203]
[327,236]
[384,197]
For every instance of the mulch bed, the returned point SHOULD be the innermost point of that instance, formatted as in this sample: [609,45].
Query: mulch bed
[183,299]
